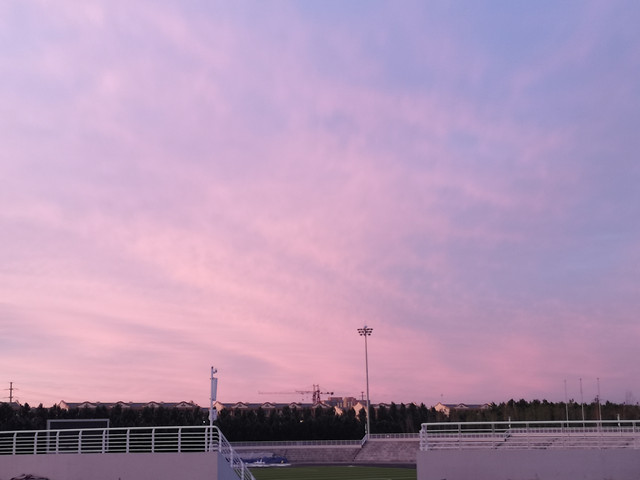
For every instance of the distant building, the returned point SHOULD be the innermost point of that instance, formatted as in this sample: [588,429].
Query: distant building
[362,405]
[127,405]
[344,403]
[270,406]
[446,408]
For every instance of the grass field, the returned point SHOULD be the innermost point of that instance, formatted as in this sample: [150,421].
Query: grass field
[334,473]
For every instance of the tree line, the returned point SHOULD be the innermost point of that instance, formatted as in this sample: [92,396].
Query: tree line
[315,423]
[522,410]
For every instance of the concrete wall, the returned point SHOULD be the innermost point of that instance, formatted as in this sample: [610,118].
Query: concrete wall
[579,464]
[118,466]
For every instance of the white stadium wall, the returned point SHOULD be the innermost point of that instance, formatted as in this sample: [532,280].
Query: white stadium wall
[576,464]
[116,466]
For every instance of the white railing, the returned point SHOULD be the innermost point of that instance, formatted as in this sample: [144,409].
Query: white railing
[394,436]
[123,440]
[227,451]
[327,443]
[530,435]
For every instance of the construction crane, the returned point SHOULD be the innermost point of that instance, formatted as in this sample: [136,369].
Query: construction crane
[315,393]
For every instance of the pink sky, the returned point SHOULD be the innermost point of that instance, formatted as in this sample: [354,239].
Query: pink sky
[244,184]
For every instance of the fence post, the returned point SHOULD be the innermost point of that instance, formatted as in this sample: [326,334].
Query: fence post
[426,438]
[424,443]
[600,439]
[493,435]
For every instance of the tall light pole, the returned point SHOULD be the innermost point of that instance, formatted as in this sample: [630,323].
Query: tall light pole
[366,332]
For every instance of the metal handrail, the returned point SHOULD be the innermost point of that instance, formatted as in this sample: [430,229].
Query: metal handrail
[300,443]
[327,443]
[394,436]
[130,440]
[530,435]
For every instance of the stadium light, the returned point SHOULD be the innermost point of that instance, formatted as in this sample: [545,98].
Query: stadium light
[366,332]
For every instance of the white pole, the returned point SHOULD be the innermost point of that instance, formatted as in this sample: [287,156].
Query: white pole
[212,411]
[582,402]
[599,403]
[214,391]
[566,402]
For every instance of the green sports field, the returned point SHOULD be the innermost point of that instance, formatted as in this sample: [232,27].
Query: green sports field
[334,473]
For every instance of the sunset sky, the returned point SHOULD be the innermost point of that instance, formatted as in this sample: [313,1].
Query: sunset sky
[244,184]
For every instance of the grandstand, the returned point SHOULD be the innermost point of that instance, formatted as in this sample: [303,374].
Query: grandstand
[394,449]
[591,450]
[530,435]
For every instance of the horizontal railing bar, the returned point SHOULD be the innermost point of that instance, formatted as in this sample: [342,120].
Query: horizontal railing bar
[537,422]
[396,436]
[179,439]
[531,434]
[299,443]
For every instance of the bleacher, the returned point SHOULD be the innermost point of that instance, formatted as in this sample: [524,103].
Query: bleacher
[374,451]
[307,455]
[388,452]
[530,435]
[315,455]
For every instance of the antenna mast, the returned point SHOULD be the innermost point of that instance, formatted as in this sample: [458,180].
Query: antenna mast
[213,414]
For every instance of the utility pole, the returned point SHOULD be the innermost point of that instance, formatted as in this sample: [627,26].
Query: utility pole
[11,389]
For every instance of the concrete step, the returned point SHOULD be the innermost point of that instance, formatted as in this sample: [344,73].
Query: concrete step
[388,452]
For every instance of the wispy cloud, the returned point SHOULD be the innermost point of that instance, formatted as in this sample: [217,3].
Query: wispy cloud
[245,186]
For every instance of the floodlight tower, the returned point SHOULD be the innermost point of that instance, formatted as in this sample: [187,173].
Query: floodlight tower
[366,332]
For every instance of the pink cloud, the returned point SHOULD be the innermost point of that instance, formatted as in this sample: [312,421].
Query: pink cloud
[200,193]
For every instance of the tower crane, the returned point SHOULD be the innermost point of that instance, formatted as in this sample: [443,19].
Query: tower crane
[315,393]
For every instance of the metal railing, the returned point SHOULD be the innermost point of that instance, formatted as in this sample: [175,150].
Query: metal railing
[530,435]
[227,451]
[123,440]
[327,443]
[300,443]
[394,436]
